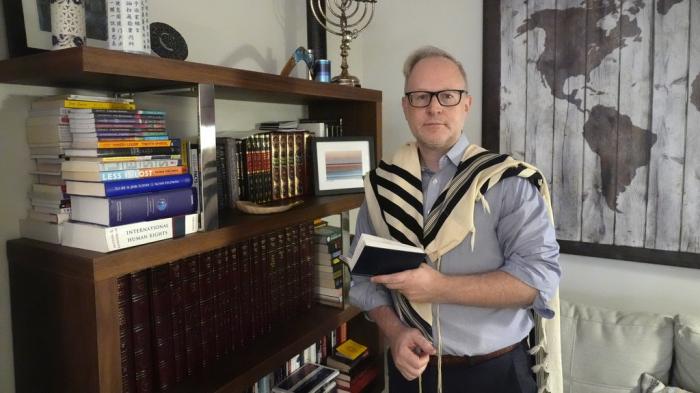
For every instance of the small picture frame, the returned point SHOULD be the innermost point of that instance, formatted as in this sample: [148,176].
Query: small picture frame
[340,163]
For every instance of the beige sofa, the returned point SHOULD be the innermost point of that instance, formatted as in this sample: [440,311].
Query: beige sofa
[606,351]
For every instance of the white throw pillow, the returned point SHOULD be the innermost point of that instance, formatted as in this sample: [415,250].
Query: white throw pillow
[605,351]
[686,369]
[649,384]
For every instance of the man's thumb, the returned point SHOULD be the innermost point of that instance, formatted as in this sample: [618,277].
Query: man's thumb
[425,345]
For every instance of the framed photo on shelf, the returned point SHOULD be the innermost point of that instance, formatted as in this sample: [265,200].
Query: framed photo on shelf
[340,162]
[28,25]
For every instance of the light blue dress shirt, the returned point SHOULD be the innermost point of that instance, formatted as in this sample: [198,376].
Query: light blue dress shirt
[516,237]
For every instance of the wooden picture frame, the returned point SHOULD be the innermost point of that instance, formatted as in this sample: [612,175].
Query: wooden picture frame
[340,164]
[499,132]
[28,24]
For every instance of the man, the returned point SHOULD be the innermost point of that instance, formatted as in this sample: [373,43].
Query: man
[459,321]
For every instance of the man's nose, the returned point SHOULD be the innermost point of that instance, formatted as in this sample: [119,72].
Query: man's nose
[434,105]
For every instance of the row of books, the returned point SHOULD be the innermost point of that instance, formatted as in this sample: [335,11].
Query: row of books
[177,319]
[288,373]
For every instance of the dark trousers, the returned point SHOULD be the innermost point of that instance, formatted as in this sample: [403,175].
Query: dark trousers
[508,373]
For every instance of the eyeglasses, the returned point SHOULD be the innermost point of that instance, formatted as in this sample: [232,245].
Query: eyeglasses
[422,99]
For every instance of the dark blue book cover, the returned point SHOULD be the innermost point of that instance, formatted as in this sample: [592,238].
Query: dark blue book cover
[377,256]
[151,206]
[149,184]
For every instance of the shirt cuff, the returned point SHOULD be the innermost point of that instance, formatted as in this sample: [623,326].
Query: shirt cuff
[366,296]
[544,292]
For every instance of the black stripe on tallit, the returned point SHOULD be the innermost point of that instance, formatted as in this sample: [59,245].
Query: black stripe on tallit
[389,207]
[460,168]
[402,173]
[457,196]
[400,192]
[411,316]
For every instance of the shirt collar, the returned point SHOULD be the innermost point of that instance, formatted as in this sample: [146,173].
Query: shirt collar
[457,151]
[454,155]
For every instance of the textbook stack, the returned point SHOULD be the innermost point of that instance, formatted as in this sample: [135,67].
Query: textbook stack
[48,136]
[126,179]
[328,271]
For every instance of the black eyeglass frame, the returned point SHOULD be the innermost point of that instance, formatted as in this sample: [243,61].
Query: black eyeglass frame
[436,95]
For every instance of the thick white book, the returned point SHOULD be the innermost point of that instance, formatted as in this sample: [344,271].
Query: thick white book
[105,239]
[41,230]
[375,255]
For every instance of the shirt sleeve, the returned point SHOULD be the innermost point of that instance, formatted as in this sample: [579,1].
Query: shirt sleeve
[363,293]
[526,236]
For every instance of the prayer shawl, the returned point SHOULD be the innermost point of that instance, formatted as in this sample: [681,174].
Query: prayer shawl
[394,197]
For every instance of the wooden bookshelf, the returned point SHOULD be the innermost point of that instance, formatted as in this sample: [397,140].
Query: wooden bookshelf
[64,300]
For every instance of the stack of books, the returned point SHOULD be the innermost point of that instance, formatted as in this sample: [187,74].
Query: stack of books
[125,177]
[357,371]
[48,136]
[328,269]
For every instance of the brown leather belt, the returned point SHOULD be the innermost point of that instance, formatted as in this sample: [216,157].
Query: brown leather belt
[452,360]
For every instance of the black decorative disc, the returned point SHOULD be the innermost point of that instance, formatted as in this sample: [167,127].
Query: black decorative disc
[167,42]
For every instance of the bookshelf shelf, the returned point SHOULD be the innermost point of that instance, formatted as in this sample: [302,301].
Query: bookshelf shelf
[65,300]
[255,361]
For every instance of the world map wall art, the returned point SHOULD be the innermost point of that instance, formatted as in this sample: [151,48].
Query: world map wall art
[604,97]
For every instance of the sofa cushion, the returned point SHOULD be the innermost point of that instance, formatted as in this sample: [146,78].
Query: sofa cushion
[686,368]
[606,351]
[649,384]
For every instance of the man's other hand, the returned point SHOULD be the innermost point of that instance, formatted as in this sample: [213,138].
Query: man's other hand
[411,352]
[422,284]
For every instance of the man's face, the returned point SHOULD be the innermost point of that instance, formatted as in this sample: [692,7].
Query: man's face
[436,127]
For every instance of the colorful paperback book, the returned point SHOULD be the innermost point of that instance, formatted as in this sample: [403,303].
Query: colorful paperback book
[128,187]
[90,165]
[124,174]
[105,239]
[309,378]
[350,349]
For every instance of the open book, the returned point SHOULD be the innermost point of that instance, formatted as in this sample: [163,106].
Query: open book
[375,256]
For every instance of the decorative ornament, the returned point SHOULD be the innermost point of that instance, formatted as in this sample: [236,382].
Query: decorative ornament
[67,24]
[167,42]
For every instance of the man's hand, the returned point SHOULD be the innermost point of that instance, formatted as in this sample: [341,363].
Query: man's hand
[422,284]
[411,352]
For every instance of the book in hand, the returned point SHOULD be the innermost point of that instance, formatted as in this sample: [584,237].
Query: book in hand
[376,256]
[105,239]
[309,378]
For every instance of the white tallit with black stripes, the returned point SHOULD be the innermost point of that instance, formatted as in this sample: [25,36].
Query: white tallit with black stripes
[394,197]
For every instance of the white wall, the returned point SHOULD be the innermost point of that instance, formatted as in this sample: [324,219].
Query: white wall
[261,38]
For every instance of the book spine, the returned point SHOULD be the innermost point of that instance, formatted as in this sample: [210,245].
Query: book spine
[190,299]
[144,173]
[274,165]
[122,166]
[141,332]
[161,309]
[221,175]
[231,171]
[291,188]
[128,158]
[234,285]
[244,270]
[126,347]
[206,308]
[255,257]
[177,315]
[151,206]
[284,190]
[137,186]
[136,143]
[79,104]
[128,151]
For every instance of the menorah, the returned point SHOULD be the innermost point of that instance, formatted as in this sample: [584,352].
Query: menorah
[344,18]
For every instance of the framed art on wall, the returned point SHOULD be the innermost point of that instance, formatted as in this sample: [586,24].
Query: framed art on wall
[603,96]
[28,24]
[340,163]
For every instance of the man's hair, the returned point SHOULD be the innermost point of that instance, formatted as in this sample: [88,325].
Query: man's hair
[429,51]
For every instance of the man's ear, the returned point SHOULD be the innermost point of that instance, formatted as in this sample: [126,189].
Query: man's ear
[404,105]
[467,103]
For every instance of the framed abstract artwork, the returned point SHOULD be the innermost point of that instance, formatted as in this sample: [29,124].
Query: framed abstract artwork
[603,96]
[340,163]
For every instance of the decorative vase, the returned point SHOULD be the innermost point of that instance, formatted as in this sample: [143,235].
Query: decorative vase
[128,27]
[67,24]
